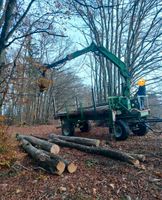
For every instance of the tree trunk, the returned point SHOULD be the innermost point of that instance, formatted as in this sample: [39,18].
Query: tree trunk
[114,154]
[45,145]
[52,164]
[87,112]
[140,157]
[71,167]
[78,140]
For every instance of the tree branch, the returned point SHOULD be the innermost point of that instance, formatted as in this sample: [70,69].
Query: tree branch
[95,8]
[34,32]
[20,20]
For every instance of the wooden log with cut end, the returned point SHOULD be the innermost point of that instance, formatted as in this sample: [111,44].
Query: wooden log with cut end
[42,144]
[78,140]
[51,164]
[140,157]
[114,154]
[51,148]
[71,167]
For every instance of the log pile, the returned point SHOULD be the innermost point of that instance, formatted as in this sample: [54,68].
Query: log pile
[46,155]
[45,151]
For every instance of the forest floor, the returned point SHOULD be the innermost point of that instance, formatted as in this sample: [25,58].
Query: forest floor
[97,177]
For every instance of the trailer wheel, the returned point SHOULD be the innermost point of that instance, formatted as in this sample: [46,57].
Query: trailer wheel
[121,131]
[140,129]
[84,126]
[68,129]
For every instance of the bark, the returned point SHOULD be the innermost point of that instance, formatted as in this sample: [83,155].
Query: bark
[88,112]
[78,140]
[45,145]
[140,157]
[52,164]
[114,154]
[71,167]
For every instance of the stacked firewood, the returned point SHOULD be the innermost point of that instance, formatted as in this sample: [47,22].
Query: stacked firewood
[45,151]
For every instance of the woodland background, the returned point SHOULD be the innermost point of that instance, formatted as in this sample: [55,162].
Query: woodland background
[35,32]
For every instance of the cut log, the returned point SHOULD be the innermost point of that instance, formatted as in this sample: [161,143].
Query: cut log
[42,144]
[52,164]
[114,154]
[140,157]
[71,167]
[78,140]
[90,112]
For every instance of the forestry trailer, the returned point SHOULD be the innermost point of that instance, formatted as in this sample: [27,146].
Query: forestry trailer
[121,113]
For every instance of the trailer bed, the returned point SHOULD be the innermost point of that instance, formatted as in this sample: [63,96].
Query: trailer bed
[88,113]
[101,112]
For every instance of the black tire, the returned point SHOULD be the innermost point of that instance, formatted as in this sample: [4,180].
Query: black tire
[68,129]
[84,126]
[121,131]
[140,129]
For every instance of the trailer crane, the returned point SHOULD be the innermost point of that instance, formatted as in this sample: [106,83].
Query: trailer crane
[104,52]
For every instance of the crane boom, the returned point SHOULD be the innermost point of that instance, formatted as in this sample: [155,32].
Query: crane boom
[107,54]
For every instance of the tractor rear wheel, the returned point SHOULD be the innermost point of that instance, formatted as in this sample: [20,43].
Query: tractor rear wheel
[84,126]
[140,129]
[68,129]
[121,130]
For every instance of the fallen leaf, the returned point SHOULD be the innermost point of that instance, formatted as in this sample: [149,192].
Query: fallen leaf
[159,174]
[154,180]
[62,189]
[142,167]
[18,191]
[112,185]
[128,197]
[94,191]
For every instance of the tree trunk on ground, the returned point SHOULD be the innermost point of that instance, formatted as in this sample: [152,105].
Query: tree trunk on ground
[50,147]
[42,144]
[117,155]
[71,167]
[140,157]
[78,140]
[52,163]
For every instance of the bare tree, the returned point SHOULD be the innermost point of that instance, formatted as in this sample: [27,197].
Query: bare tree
[129,29]
[17,22]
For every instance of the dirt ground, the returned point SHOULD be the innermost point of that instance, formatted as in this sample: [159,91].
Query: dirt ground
[97,177]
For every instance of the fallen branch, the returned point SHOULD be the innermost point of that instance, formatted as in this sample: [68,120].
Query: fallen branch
[78,140]
[140,157]
[42,144]
[114,154]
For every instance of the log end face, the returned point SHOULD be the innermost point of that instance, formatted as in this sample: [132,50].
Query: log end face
[60,167]
[97,143]
[135,162]
[72,168]
[55,149]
